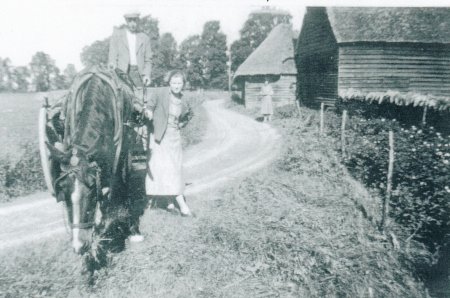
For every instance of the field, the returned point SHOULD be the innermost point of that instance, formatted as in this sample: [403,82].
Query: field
[18,122]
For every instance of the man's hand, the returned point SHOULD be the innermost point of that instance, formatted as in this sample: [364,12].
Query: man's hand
[146,80]
[148,114]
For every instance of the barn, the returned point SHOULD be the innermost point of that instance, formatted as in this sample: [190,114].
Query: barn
[274,58]
[375,53]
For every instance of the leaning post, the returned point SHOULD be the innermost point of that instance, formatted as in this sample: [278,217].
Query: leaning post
[344,120]
[387,198]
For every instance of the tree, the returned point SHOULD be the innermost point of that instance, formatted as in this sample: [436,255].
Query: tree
[256,28]
[213,45]
[20,78]
[57,80]
[69,74]
[165,59]
[5,75]
[190,60]
[44,72]
[96,53]
[150,26]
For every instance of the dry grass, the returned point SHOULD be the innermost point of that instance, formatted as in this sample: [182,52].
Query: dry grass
[303,226]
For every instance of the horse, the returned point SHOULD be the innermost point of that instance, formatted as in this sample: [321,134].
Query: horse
[91,161]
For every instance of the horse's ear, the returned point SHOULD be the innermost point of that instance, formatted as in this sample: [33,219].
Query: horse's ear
[56,153]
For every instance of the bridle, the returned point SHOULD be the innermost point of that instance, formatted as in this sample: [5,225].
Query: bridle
[76,170]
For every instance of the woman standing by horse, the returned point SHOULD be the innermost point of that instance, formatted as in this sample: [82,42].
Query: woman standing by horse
[165,172]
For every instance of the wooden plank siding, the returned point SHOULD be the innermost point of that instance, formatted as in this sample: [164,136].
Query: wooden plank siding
[417,68]
[316,58]
[283,88]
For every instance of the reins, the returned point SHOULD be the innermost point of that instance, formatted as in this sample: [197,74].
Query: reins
[75,170]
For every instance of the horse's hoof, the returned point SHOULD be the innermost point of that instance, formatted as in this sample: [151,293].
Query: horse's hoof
[136,238]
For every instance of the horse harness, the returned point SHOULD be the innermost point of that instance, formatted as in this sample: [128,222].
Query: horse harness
[122,89]
[76,170]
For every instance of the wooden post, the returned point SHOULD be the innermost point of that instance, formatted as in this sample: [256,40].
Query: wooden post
[46,104]
[424,115]
[297,104]
[344,120]
[322,107]
[387,199]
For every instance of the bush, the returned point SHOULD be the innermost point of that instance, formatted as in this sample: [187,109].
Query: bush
[421,189]
[23,177]
[237,99]
[286,111]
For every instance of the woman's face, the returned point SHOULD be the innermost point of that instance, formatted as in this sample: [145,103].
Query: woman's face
[176,84]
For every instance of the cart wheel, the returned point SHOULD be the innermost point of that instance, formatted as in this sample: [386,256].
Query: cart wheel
[43,150]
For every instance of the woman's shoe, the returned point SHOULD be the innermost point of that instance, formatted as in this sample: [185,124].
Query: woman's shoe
[189,214]
[136,238]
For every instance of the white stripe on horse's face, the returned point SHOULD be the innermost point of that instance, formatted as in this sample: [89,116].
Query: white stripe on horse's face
[77,244]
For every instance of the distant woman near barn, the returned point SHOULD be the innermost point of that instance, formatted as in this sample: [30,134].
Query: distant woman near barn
[266,101]
[165,172]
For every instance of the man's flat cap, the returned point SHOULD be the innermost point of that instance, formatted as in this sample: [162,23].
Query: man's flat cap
[131,15]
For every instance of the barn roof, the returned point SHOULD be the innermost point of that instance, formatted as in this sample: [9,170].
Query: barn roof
[274,56]
[390,24]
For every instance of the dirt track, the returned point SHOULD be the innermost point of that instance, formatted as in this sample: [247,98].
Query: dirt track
[232,146]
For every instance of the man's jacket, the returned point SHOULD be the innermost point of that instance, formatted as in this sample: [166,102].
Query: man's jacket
[119,56]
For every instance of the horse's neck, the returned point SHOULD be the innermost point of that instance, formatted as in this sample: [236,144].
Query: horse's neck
[95,121]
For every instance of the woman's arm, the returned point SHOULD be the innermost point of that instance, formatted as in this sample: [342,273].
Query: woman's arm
[186,116]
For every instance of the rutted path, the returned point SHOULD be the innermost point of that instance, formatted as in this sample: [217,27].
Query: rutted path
[232,146]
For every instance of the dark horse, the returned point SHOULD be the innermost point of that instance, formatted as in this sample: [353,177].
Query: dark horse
[91,164]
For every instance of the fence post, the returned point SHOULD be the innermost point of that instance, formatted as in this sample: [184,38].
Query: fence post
[322,107]
[297,104]
[387,198]
[344,120]
[424,115]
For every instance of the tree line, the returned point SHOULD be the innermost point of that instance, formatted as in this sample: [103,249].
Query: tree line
[203,57]
[41,74]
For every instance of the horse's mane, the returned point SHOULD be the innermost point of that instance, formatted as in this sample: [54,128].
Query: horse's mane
[94,123]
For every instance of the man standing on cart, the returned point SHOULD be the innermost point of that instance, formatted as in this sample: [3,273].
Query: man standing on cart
[130,52]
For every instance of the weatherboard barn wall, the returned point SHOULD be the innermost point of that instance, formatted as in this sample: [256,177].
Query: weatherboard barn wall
[348,51]
[417,68]
[316,57]
[274,60]
[283,87]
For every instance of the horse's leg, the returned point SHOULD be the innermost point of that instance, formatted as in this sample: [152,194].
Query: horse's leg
[137,201]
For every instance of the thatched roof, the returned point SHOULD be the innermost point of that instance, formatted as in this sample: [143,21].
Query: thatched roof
[390,24]
[274,56]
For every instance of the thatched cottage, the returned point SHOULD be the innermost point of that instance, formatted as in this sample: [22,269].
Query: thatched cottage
[274,59]
[375,53]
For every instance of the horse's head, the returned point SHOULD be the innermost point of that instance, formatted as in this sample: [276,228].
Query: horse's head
[79,187]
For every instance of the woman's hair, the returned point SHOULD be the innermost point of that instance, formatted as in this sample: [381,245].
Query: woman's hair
[175,73]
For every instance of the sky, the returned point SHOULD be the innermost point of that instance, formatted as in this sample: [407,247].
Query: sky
[61,28]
